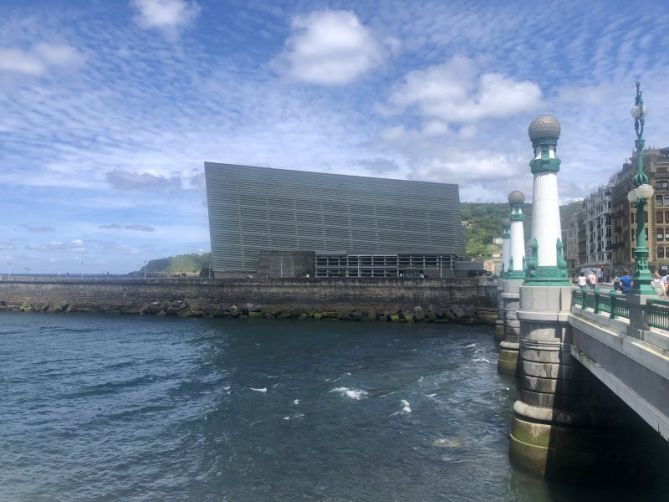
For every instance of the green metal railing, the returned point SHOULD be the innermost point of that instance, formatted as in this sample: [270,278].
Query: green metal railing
[589,298]
[611,303]
[657,314]
[619,307]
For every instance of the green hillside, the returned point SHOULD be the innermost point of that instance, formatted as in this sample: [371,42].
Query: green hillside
[185,264]
[483,223]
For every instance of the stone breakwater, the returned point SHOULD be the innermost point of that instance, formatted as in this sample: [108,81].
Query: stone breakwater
[459,300]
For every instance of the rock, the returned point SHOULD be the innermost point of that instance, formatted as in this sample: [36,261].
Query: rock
[458,312]
[438,310]
[255,314]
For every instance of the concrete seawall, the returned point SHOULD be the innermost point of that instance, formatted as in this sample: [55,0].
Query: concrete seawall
[342,298]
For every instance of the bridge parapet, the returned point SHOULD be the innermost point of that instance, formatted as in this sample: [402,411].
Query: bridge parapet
[629,354]
[613,311]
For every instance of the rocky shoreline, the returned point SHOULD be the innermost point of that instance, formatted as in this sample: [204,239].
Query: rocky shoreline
[190,308]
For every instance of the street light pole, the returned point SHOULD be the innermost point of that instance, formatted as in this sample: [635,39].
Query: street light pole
[642,283]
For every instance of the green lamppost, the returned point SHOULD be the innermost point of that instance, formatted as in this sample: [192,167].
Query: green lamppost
[642,283]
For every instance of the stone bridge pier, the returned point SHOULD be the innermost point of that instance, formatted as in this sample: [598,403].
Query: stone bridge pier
[507,363]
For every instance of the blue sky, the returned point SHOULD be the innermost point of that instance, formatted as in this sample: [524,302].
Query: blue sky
[108,109]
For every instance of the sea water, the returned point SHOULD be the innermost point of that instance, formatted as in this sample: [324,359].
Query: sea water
[146,408]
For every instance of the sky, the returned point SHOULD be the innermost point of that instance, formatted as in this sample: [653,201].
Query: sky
[109,109]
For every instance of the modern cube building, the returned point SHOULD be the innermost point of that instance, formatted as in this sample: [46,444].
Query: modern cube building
[356,226]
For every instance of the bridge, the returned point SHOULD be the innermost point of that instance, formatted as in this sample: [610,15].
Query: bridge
[623,340]
[593,369]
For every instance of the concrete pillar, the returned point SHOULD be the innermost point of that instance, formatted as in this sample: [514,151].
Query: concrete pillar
[506,245]
[506,250]
[508,349]
[499,323]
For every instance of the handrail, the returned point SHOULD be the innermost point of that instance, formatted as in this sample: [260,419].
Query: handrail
[612,303]
[657,313]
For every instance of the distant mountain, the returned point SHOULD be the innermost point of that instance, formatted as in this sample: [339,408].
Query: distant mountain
[185,264]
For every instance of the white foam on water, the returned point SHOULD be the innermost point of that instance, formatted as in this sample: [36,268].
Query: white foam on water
[294,416]
[470,346]
[453,442]
[406,408]
[432,395]
[480,360]
[261,389]
[356,394]
[296,402]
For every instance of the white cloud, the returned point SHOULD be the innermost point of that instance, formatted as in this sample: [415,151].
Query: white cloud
[167,15]
[331,48]
[37,60]
[74,246]
[456,91]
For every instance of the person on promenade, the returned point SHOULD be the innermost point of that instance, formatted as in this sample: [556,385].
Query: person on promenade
[665,285]
[657,284]
[592,280]
[626,282]
[581,280]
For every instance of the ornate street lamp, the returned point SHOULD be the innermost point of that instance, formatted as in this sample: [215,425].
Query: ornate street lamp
[642,283]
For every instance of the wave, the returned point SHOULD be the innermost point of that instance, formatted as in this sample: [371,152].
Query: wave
[260,389]
[356,394]
[294,416]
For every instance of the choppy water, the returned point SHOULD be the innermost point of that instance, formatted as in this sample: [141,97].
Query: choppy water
[132,408]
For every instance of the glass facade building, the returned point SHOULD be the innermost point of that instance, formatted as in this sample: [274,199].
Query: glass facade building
[253,209]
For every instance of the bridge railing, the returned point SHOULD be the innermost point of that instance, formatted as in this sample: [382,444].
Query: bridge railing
[657,314]
[609,302]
